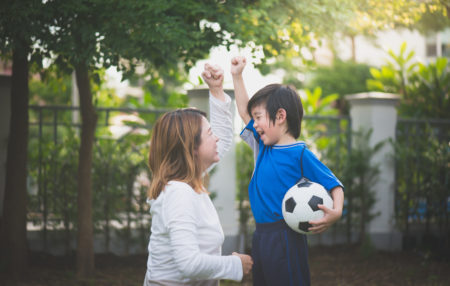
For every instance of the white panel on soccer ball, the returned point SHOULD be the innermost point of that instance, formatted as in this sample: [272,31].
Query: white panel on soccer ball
[300,205]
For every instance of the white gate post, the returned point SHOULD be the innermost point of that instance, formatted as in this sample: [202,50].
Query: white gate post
[377,111]
[223,180]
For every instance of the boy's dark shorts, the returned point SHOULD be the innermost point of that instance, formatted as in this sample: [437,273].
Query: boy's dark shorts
[280,256]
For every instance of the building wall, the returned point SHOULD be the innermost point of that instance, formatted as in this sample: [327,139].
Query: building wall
[374,51]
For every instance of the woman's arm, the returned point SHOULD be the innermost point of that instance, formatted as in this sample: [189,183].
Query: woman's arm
[221,122]
[219,108]
[180,212]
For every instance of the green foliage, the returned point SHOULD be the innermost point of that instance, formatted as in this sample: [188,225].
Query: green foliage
[119,194]
[367,248]
[331,80]
[429,88]
[162,88]
[316,130]
[393,76]
[244,171]
[15,33]
[336,79]
[424,88]
[435,17]
[103,95]
[52,174]
[359,177]
[370,16]
[421,152]
[325,133]
[245,161]
[283,27]
[422,165]
[119,165]
[316,104]
[51,88]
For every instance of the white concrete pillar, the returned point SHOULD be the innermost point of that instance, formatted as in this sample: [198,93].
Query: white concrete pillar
[223,180]
[377,111]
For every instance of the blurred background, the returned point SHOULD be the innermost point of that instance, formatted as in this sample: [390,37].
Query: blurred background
[83,82]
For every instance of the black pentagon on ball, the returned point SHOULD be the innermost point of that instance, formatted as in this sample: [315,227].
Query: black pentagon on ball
[304,184]
[289,205]
[314,201]
[303,226]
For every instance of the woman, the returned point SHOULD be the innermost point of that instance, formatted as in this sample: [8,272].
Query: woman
[186,235]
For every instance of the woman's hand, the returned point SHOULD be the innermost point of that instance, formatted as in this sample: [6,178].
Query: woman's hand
[213,76]
[247,262]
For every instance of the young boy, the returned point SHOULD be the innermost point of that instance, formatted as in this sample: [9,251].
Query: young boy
[273,120]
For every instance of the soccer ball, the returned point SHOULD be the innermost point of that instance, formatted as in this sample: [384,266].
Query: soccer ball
[300,205]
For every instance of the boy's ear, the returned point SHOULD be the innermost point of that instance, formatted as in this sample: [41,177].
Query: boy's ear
[281,115]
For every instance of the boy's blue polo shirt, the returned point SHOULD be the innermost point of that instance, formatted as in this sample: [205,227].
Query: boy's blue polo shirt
[277,169]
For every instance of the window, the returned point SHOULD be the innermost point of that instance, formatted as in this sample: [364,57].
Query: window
[431,50]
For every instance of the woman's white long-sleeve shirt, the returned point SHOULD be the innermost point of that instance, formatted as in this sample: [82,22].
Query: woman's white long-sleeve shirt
[186,234]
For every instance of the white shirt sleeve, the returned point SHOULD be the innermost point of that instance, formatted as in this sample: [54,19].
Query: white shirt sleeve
[179,212]
[221,122]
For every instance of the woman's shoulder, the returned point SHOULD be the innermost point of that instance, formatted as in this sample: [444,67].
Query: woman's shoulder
[178,199]
[174,184]
[179,189]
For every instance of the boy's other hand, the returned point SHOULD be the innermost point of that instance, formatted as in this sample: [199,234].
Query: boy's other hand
[237,65]
[330,217]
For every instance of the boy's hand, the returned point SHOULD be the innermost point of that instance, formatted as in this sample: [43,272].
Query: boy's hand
[330,217]
[237,65]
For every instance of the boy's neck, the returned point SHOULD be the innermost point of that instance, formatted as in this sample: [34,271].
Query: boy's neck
[286,139]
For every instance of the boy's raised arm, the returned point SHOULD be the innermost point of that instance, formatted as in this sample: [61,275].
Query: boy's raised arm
[237,66]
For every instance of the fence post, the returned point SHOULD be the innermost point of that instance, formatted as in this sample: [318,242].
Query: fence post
[377,111]
[223,180]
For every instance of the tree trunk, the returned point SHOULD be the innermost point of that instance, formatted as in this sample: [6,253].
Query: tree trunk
[14,230]
[85,236]
[352,38]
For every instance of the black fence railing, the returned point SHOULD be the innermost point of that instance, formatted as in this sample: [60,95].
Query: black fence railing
[422,163]
[119,176]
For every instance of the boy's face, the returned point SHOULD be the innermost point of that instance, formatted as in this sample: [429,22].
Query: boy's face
[269,132]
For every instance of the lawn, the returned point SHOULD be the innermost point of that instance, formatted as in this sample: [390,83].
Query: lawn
[338,265]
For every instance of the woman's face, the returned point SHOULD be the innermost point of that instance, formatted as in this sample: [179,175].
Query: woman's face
[207,151]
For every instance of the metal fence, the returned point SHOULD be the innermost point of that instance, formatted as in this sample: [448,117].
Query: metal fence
[120,174]
[119,177]
[422,164]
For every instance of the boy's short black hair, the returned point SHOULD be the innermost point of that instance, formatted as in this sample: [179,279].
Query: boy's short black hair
[276,96]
